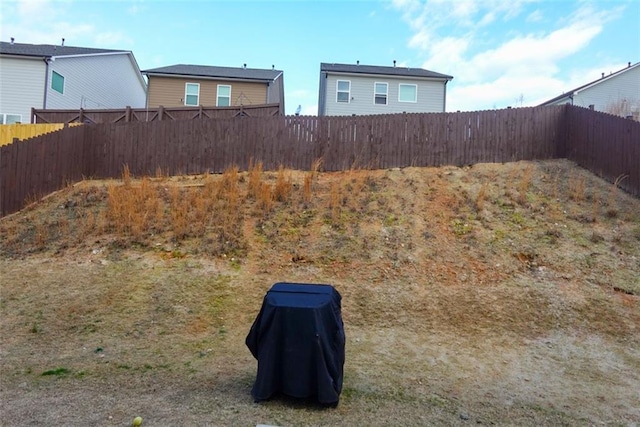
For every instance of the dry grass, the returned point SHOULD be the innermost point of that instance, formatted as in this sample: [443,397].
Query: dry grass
[254,189]
[481,197]
[525,183]
[577,188]
[283,187]
[440,269]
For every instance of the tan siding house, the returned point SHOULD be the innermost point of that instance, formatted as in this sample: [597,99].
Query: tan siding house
[192,85]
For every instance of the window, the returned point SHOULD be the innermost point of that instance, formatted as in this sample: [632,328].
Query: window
[408,93]
[192,94]
[8,119]
[380,93]
[57,82]
[343,91]
[224,96]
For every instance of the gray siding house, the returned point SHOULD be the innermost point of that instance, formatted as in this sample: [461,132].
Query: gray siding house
[617,93]
[66,77]
[348,89]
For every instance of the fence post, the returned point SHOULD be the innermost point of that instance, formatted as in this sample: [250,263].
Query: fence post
[160,112]
[127,114]
[81,116]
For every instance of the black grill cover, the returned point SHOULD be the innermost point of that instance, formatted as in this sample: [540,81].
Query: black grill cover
[299,342]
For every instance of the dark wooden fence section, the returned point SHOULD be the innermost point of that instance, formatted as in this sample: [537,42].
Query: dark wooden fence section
[32,168]
[605,144]
[296,141]
[151,114]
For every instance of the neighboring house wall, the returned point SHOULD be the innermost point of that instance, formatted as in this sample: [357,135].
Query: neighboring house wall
[618,95]
[170,91]
[275,92]
[21,86]
[430,95]
[96,82]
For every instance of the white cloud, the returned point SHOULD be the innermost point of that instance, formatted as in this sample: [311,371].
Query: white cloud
[535,16]
[41,22]
[35,9]
[309,110]
[112,40]
[498,72]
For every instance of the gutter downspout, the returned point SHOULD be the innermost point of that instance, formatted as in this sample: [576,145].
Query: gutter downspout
[444,99]
[46,82]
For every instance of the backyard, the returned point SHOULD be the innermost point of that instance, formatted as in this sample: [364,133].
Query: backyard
[505,294]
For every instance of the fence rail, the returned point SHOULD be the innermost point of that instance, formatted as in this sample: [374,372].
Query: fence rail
[606,144]
[161,113]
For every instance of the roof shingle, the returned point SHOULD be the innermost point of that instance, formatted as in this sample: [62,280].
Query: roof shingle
[375,69]
[48,50]
[211,71]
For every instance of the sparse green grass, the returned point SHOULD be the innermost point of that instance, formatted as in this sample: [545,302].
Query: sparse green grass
[56,372]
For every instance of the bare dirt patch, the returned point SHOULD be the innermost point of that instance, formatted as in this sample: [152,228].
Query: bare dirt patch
[505,294]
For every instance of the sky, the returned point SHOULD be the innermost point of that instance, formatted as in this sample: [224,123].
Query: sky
[500,52]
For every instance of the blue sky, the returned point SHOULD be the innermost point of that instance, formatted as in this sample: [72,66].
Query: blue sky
[500,52]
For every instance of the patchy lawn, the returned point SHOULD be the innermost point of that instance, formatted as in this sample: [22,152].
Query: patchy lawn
[505,294]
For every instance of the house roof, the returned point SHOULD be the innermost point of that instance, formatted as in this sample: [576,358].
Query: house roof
[389,71]
[604,78]
[49,50]
[215,72]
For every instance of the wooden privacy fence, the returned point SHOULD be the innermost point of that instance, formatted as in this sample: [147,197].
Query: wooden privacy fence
[606,144]
[129,114]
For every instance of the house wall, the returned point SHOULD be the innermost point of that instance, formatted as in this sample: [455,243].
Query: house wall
[21,85]
[97,82]
[618,95]
[430,96]
[275,92]
[170,91]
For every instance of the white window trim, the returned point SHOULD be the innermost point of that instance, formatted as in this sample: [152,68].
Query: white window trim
[3,118]
[348,92]
[408,84]
[186,92]
[218,95]
[64,82]
[386,94]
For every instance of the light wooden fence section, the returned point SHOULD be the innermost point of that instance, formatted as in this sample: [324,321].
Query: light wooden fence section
[24,131]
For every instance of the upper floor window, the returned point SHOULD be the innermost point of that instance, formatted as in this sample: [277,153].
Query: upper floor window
[407,93]
[57,82]
[381,90]
[192,94]
[224,96]
[8,119]
[343,91]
